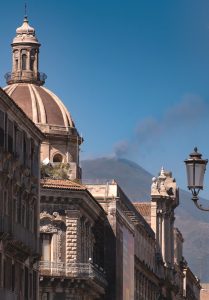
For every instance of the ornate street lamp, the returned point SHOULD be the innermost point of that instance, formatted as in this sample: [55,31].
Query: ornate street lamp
[195,167]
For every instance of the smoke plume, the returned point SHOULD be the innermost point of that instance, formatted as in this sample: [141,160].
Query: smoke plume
[183,116]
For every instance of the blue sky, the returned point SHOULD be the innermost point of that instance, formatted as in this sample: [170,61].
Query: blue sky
[134,74]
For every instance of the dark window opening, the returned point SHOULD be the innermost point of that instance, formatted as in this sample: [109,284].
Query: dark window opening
[2,129]
[24,150]
[34,285]
[10,136]
[24,58]
[13,277]
[26,283]
[31,64]
[57,158]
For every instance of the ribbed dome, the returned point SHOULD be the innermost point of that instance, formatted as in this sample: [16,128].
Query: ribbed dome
[40,104]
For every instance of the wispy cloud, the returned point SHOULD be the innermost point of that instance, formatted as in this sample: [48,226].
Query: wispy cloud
[185,115]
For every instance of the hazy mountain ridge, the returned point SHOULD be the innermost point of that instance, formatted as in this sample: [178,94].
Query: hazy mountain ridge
[136,182]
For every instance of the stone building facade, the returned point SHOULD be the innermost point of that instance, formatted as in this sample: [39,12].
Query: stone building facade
[19,202]
[179,263]
[72,235]
[133,270]
[165,198]
[204,293]
[95,242]
[178,281]
[191,285]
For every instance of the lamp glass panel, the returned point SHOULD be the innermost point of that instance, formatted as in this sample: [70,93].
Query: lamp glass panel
[199,174]
[190,172]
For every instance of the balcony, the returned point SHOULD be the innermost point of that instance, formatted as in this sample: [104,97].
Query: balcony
[5,226]
[7,295]
[26,237]
[72,271]
[25,76]
[17,234]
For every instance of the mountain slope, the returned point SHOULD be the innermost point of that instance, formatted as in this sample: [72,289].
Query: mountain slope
[127,173]
[136,182]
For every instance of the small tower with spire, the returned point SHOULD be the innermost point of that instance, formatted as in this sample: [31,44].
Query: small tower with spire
[165,198]
[25,60]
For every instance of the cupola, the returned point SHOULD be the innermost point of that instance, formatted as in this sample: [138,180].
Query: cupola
[25,57]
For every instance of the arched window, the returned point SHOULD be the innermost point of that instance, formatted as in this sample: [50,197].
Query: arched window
[32,59]
[57,158]
[16,64]
[31,64]
[24,57]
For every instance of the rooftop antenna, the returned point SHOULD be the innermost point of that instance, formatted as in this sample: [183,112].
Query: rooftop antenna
[26,15]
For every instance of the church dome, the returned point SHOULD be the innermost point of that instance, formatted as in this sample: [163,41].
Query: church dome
[43,107]
[40,104]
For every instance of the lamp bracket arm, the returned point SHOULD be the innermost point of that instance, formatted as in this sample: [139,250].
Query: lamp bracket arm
[198,205]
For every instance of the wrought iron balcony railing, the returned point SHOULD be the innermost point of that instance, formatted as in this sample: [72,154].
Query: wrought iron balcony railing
[71,270]
[22,76]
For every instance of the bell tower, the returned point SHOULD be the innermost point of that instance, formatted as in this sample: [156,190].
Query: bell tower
[25,57]
[165,198]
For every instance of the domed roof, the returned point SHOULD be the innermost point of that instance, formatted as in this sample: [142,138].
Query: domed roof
[40,104]
[25,33]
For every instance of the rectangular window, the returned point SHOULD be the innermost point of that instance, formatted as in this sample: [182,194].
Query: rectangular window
[45,296]
[21,280]
[46,247]
[28,161]
[13,277]
[19,145]
[4,273]
[23,214]
[0,270]
[19,207]
[15,138]
[32,156]
[10,136]
[31,285]
[26,283]
[24,149]
[31,218]
[34,285]
[5,131]
[6,203]
[2,129]
[36,161]
[7,272]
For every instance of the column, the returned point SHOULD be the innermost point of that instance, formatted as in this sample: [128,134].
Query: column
[19,60]
[73,246]
[163,241]
[13,62]
[36,62]
[28,61]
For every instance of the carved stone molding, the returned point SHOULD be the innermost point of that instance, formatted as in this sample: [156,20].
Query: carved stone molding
[45,214]
[48,229]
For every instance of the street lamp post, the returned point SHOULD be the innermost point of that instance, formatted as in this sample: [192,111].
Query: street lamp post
[195,167]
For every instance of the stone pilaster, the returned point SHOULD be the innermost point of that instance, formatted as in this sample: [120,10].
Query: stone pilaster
[73,236]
